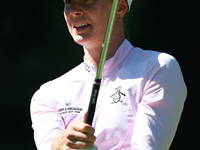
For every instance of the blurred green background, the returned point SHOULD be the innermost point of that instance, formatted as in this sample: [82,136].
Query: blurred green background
[35,47]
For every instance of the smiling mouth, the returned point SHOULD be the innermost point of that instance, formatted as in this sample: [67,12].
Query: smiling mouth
[81,26]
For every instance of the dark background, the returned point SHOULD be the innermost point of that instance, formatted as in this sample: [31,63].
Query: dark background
[35,47]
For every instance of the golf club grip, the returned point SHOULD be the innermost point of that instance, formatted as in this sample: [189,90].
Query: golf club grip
[93,101]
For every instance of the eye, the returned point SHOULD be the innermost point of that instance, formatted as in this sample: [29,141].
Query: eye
[68,1]
[88,2]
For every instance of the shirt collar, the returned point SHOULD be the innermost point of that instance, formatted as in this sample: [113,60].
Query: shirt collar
[111,63]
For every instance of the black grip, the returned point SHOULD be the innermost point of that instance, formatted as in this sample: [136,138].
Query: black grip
[93,101]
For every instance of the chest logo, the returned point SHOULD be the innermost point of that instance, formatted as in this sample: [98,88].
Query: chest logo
[68,109]
[117,96]
[67,103]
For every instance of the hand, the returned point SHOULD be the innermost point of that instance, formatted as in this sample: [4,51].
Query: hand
[77,135]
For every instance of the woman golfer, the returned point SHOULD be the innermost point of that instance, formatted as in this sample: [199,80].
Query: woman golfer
[141,94]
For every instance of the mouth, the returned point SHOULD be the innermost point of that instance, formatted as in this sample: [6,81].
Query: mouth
[81,26]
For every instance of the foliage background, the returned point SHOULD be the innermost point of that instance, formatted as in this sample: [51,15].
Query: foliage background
[35,47]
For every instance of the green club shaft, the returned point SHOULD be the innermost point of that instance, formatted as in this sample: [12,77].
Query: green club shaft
[97,82]
[107,39]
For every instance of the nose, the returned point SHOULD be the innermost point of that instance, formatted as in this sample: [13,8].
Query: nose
[76,9]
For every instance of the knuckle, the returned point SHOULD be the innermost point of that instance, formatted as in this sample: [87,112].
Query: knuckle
[86,127]
[69,143]
[69,135]
[87,145]
[94,137]
[93,130]
[89,129]
[81,144]
[85,137]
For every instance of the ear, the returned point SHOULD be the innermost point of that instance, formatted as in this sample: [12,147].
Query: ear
[122,8]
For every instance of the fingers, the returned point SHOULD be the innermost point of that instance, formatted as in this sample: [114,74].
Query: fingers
[84,117]
[85,137]
[84,128]
[80,140]
[79,144]
[82,132]
[80,135]
[77,135]
[85,145]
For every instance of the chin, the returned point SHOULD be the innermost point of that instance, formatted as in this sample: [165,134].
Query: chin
[88,41]
[81,41]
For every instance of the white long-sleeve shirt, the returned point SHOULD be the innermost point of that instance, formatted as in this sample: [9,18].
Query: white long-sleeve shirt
[140,101]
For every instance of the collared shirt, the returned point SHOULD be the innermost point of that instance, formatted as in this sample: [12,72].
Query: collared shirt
[140,101]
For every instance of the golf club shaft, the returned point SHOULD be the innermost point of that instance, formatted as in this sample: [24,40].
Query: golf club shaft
[97,82]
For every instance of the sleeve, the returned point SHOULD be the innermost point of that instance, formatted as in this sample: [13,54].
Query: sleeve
[160,107]
[46,122]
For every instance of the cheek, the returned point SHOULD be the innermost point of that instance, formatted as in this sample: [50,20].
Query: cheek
[102,23]
[67,19]
[103,16]
[65,15]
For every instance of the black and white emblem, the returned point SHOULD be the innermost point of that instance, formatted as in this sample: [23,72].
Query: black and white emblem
[117,97]
[87,67]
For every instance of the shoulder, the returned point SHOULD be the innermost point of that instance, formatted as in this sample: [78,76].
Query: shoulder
[72,76]
[147,63]
[138,56]
[150,58]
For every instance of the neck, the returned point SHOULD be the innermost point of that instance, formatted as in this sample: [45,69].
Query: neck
[93,55]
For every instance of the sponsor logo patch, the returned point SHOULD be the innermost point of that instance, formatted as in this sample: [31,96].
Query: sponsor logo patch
[69,110]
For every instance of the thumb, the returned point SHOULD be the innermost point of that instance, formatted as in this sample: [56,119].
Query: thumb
[84,117]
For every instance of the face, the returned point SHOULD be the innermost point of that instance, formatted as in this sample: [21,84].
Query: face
[87,20]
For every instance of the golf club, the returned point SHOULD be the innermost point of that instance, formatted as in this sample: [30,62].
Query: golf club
[97,81]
